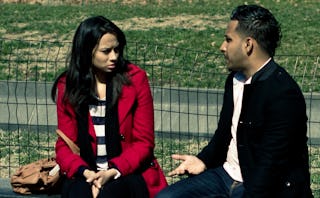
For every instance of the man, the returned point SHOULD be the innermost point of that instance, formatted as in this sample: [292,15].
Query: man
[259,148]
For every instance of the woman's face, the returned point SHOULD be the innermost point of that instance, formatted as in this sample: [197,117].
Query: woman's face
[106,53]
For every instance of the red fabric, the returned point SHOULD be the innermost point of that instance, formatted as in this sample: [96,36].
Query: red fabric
[137,131]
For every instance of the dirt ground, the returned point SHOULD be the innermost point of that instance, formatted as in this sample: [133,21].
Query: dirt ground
[73,1]
[198,22]
[195,22]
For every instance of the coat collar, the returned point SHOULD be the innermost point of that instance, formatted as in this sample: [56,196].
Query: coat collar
[265,72]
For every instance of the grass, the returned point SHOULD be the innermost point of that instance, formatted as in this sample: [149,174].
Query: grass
[179,39]
[168,33]
[197,25]
[24,60]
[176,41]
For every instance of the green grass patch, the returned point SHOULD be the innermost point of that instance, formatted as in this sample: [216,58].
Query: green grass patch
[23,146]
[195,25]
[166,65]
[177,43]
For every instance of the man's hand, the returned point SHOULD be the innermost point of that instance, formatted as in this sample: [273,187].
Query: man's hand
[191,165]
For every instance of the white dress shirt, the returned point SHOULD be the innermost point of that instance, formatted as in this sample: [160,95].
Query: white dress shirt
[231,165]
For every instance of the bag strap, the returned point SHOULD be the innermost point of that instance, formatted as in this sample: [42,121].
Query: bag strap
[75,149]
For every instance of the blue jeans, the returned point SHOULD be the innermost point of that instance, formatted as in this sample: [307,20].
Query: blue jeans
[211,183]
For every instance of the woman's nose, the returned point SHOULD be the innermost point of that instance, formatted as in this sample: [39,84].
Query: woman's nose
[113,55]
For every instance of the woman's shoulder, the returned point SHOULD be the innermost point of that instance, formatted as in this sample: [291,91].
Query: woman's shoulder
[61,81]
[134,69]
[136,74]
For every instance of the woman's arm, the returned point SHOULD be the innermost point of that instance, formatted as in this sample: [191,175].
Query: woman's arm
[68,161]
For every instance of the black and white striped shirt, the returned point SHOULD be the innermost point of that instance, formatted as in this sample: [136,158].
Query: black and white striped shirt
[97,112]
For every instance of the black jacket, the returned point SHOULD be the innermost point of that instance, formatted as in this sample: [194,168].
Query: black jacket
[271,135]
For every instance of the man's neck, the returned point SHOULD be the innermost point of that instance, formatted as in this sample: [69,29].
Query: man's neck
[256,66]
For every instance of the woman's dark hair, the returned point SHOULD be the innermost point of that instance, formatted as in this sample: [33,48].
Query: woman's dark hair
[258,23]
[80,82]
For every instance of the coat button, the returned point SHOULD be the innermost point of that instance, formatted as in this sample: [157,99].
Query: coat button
[122,137]
[288,184]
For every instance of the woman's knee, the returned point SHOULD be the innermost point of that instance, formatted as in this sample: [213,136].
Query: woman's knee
[76,188]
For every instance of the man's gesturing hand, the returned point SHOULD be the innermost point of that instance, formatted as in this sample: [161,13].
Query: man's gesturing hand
[191,165]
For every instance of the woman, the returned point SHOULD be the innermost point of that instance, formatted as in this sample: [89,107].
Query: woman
[104,105]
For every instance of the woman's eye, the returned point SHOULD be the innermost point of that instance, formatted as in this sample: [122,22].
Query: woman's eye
[106,51]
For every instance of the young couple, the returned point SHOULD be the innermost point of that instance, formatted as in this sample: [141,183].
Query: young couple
[104,105]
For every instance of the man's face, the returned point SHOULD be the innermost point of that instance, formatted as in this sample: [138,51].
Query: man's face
[233,48]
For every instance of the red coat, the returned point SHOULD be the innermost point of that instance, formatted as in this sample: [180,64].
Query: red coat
[136,118]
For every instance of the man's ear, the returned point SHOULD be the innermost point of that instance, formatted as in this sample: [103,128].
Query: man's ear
[249,45]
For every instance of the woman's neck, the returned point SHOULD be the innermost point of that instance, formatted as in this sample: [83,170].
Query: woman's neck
[100,86]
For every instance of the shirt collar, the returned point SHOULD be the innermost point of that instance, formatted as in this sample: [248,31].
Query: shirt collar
[239,77]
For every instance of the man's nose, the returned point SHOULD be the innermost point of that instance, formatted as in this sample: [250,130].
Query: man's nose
[223,46]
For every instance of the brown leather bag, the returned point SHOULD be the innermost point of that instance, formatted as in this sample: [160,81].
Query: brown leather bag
[34,178]
[42,176]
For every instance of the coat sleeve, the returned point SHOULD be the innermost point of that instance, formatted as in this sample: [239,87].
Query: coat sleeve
[67,160]
[137,127]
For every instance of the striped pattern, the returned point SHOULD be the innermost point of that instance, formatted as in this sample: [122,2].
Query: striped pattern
[97,112]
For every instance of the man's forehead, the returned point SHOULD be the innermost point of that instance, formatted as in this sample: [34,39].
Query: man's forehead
[232,25]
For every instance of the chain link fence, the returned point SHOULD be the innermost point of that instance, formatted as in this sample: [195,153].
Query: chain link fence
[187,87]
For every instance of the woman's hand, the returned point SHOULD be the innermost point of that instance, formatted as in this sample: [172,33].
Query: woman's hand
[95,191]
[89,175]
[104,176]
[191,165]
[99,179]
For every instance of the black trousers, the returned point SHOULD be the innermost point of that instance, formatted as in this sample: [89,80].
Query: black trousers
[131,186]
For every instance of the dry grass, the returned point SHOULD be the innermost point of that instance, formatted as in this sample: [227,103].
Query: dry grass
[195,22]
[75,2]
